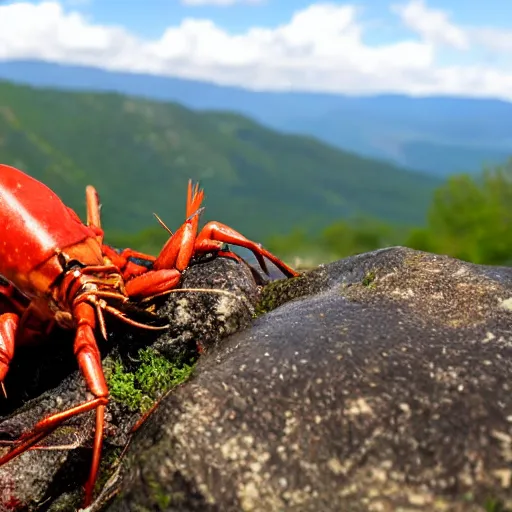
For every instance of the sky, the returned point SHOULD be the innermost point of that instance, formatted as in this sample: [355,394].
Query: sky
[417,47]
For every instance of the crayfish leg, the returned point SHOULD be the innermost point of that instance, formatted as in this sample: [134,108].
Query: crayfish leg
[89,361]
[153,282]
[122,260]
[128,268]
[215,232]
[8,327]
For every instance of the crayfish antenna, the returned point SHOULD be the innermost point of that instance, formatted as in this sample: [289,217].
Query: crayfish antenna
[162,223]
[3,389]
[118,314]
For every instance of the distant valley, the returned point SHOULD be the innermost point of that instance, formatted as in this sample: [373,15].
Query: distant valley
[439,135]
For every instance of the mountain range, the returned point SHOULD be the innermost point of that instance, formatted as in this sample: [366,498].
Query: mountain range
[140,153]
[438,135]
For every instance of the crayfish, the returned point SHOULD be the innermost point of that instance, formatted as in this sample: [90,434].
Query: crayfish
[56,270]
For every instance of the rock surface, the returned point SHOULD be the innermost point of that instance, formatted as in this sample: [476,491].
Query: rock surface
[380,383]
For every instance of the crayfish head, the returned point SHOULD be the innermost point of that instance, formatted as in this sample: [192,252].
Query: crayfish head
[102,287]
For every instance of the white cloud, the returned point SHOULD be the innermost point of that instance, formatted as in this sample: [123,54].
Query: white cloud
[432,25]
[320,48]
[494,39]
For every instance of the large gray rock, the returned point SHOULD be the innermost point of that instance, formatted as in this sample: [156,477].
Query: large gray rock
[377,383]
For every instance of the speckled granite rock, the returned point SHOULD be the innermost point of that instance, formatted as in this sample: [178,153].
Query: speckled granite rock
[377,383]
[43,380]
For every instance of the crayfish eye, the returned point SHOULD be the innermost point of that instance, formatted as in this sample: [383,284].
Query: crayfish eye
[68,265]
[74,264]
[63,260]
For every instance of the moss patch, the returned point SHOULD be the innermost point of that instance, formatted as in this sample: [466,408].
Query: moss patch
[161,498]
[494,505]
[154,376]
[369,279]
[123,387]
[271,296]
[277,293]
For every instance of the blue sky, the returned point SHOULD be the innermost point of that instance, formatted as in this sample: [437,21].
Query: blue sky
[364,46]
[150,17]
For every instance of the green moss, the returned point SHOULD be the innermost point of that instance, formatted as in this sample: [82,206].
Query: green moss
[123,388]
[494,505]
[154,376]
[159,496]
[369,279]
[414,259]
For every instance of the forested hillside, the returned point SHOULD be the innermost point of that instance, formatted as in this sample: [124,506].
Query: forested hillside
[140,154]
[441,135]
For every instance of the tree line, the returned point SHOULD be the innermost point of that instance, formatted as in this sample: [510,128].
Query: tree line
[470,218]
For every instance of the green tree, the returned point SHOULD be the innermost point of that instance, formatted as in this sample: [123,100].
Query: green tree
[340,239]
[471,218]
[345,238]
